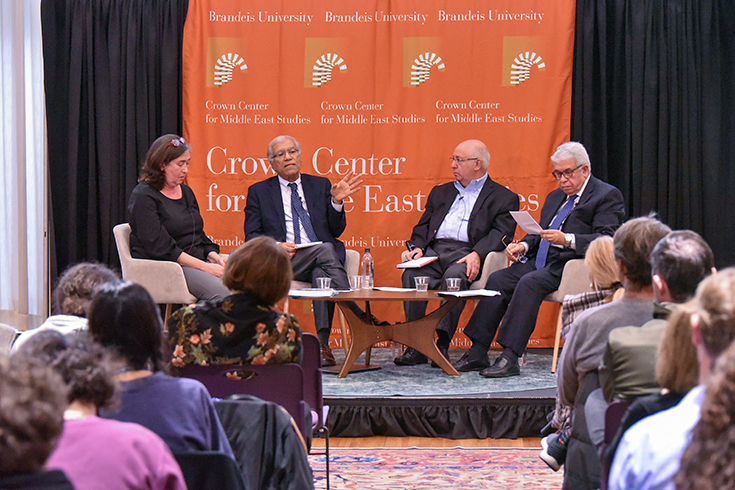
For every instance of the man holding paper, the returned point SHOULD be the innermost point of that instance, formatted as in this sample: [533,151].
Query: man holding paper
[299,210]
[464,220]
[582,209]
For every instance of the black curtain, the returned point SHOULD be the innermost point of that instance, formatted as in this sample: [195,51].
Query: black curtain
[652,100]
[113,85]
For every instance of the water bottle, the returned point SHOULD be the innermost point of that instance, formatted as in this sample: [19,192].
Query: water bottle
[367,270]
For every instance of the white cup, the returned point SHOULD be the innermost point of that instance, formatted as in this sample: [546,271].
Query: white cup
[355,282]
[422,283]
[453,283]
[323,282]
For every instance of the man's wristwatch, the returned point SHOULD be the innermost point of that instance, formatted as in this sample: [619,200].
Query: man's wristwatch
[568,240]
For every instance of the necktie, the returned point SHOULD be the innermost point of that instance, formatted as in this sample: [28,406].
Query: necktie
[543,248]
[299,214]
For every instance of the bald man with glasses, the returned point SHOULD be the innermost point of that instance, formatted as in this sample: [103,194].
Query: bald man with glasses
[464,220]
[580,210]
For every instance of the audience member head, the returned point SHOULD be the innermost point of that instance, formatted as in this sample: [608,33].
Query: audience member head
[77,285]
[83,365]
[124,318]
[713,321]
[260,267]
[634,241]
[32,403]
[681,260]
[677,368]
[165,149]
[709,459]
[600,260]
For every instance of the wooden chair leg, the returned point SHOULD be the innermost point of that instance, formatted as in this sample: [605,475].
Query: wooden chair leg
[557,339]
[168,314]
[343,330]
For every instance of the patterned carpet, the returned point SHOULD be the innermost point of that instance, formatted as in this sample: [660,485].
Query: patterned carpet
[409,468]
[423,380]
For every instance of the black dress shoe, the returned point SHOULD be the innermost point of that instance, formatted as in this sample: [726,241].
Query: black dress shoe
[502,368]
[444,351]
[410,358]
[327,356]
[467,363]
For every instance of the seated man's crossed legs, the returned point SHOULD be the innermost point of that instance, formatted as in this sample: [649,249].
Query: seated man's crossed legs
[437,272]
[522,290]
[321,261]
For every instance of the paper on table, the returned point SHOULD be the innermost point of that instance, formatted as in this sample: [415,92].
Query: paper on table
[312,293]
[395,290]
[469,292]
[527,222]
[417,263]
[306,245]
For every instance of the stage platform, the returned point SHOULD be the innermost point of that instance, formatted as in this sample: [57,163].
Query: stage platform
[425,402]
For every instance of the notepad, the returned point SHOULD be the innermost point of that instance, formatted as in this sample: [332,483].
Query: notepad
[417,263]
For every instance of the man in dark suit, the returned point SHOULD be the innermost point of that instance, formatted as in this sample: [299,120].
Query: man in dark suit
[582,209]
[463,222]
[296,208]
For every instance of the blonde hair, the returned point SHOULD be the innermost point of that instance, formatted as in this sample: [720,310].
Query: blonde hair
[600,259]
[677,367]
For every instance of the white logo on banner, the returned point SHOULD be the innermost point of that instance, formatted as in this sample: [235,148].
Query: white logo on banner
[323,68]
[520,70]
[422,67]
[224,67]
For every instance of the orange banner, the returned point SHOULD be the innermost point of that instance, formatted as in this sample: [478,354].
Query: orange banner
[386,89]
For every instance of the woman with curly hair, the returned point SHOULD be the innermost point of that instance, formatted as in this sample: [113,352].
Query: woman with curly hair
[32,401]
[709,459]
[71,299]
[242,328]
[93,451]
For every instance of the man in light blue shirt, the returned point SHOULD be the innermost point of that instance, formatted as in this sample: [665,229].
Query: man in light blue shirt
[650,452]
[464,220]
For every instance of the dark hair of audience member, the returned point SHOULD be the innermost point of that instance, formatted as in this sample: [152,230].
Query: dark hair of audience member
[709,459]
[634,242]
[682,259]
[77,285]
[261,267]
[32,404]
[715,309]
[124,318]
[677,368]
[159,154]
[84,366]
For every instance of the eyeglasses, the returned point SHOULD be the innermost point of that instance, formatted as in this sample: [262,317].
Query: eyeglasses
[291,151]
[567,174]
[176,142]
[460,160]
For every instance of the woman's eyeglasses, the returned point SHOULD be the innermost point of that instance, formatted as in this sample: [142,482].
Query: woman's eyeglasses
[176,142]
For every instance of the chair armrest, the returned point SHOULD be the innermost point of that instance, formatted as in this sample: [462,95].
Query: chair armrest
[494,261]
[164,280]
[352,262]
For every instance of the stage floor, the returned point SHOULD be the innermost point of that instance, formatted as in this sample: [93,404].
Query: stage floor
[423,401]
[423,380]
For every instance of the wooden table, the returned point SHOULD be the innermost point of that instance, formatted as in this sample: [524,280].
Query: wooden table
[418,334]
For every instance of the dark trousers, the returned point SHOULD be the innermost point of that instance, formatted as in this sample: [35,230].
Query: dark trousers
[449,252]
[321,261]
[522,290]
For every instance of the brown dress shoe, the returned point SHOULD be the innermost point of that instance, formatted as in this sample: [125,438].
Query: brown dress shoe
[327,356]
